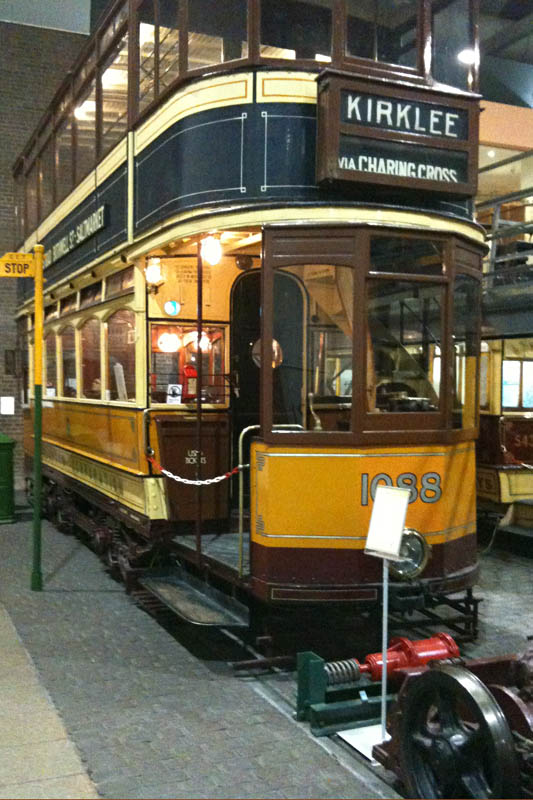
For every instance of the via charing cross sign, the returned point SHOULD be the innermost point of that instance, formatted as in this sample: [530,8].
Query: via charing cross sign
[402,137]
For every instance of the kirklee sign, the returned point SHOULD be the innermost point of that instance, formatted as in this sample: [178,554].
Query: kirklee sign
[403,138]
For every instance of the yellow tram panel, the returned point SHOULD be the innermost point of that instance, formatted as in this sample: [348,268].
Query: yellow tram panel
[109,434]
[323,498]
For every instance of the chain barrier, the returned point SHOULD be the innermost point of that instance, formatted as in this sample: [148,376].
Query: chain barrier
[205,482]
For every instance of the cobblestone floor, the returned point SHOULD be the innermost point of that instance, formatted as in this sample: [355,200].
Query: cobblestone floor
[149,718]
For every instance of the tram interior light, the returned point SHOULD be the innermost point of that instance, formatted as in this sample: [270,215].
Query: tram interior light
[169,342]
[211,250]
[153,273]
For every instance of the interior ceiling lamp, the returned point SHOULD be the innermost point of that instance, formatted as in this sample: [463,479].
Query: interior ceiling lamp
[192,336]
[169,342]
[153,273]
[211,250]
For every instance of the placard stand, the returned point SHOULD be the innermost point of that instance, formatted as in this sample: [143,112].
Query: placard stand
[383,541]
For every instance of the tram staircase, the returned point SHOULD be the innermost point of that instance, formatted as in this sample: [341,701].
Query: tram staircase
[508,293]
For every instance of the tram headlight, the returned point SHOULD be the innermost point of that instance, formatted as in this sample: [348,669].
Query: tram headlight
[414,555]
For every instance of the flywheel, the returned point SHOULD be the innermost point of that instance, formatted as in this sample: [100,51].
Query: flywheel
[454,739]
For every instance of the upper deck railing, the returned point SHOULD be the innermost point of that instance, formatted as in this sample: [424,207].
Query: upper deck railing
[144,49]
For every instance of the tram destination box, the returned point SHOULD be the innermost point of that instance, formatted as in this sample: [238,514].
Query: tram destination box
[396,136]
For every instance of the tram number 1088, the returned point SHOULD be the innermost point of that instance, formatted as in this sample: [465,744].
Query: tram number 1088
[428,489]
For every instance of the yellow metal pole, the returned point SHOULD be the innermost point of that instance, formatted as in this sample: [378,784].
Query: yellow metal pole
[36,575]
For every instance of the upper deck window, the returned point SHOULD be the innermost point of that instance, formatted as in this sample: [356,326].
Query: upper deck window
[296,30]
[217,32]
[383,30]
[85,121]
[114,82]
[454,57]
[425,42]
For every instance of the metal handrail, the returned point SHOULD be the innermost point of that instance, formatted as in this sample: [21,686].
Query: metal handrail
[241,481]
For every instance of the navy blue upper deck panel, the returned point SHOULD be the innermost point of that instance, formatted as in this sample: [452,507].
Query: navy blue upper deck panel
[95,226]
[256,154]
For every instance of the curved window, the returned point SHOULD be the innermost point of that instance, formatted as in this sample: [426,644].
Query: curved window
[383,30]
[313,327]
[467,310]
[68,361]
[91,383]
[404,340]
[217,32]
[453,45]
[296,29]
[50,365]
[174,364]
[121,356]
[114,84]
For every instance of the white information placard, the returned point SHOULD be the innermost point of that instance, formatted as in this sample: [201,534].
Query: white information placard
[387,522]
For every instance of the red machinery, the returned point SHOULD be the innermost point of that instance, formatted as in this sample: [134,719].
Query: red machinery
[457,728]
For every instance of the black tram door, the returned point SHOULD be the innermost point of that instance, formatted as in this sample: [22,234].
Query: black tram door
[287,355]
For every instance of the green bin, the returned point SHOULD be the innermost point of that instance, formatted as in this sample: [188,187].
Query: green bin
[7,495]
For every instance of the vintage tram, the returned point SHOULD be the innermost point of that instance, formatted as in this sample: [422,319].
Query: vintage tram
[260,259]
[505,445]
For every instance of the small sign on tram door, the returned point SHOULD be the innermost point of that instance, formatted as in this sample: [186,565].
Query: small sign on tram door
[17,265]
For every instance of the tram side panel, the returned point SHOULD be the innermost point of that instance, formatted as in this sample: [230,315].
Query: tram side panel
[311,510]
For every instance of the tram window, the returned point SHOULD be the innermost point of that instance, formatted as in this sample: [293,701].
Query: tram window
[114,82]
[484,372]
[119,283]
[31,197]
[64,171]
[91,294]
[174,364]
[217,32]
[117,21]
[68,360]
[313,329]
[68,303]
[383,30]
[121,356]
[405,329]
[91,383]
[50,365]
[46,178]
[295,29]
[19,206]
[517,374]
[466,305]
[451,36]
[147,36]
[407,255]
[85,118]
[168,44]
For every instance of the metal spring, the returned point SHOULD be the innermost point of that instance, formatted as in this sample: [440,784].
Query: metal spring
[342,671]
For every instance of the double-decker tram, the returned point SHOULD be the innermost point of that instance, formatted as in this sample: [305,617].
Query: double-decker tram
[262,300]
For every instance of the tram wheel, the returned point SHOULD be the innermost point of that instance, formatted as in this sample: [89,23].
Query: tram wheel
[454,739]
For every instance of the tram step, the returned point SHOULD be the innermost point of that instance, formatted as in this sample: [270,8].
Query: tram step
[518,530]
[194,600]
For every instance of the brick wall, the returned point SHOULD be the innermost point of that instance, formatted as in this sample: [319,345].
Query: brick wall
[33,61]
